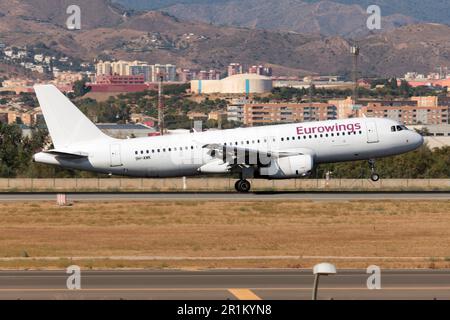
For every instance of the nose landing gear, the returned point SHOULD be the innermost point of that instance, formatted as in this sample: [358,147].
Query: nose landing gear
[374,176]
[242,186]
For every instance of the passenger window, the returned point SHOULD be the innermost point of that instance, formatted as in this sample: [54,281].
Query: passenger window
[147,152]
[136,152]
[282,139]
[393,128]
[142,152]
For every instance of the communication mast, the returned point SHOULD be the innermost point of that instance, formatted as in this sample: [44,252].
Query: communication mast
[160,103]
[354,50]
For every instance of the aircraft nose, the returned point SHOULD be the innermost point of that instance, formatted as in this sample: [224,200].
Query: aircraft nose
[417,139]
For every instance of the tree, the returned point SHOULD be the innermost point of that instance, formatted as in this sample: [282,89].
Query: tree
[80,88]
[11,150]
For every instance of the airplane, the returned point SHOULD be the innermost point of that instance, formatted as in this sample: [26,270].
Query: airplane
[282,151]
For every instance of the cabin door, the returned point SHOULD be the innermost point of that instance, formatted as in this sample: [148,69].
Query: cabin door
[372,133]
[116,159]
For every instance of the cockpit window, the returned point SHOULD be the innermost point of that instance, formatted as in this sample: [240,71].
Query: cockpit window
[398,128]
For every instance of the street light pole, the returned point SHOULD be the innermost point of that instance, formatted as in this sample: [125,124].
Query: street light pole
[160,104]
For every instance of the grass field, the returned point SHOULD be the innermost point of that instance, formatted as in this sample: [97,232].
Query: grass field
[348,229]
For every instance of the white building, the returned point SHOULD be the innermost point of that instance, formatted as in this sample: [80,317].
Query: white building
[235,110]
[169,72]
[38,57]
[132,68]
[237,84]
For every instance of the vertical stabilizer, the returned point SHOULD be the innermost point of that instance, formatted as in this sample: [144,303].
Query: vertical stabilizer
[66,124]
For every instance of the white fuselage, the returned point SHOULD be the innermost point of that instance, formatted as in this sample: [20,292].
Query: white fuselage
[183,154]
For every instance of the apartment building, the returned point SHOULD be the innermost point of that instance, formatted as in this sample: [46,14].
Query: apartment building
[267,113]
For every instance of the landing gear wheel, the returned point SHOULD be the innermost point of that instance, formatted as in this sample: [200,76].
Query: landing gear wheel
[242,186]
[374,176]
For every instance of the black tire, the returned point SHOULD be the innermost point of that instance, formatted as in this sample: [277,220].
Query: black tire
[236,185]
[375,177]
[244,186]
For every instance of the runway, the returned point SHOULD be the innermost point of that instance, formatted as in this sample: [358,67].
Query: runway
[231,196]
[224,284]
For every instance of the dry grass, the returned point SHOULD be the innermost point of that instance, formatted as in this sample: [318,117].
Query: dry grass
[221,228]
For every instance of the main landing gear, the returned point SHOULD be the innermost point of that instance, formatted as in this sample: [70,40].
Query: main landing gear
[242,186]
[374,176]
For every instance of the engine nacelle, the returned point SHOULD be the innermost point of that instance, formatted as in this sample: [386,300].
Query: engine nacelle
[288,167]
[215,166]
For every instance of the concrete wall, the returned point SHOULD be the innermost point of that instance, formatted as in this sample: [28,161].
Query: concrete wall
[218,184]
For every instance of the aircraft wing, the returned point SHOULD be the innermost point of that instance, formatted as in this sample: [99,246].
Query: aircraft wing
[240,155]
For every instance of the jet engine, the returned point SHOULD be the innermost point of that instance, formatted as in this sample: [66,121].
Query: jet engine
[288,167]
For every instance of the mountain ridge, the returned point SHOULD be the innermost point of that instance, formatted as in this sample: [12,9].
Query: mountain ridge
[157,37]
[237,13]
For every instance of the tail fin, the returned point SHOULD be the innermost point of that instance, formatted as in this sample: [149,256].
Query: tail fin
[66,124]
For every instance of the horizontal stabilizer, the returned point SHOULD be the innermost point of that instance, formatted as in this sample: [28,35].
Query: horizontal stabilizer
[76,154]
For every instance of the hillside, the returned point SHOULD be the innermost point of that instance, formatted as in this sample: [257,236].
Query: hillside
[323,17]
[330,17]
[94,13]
[160,38]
